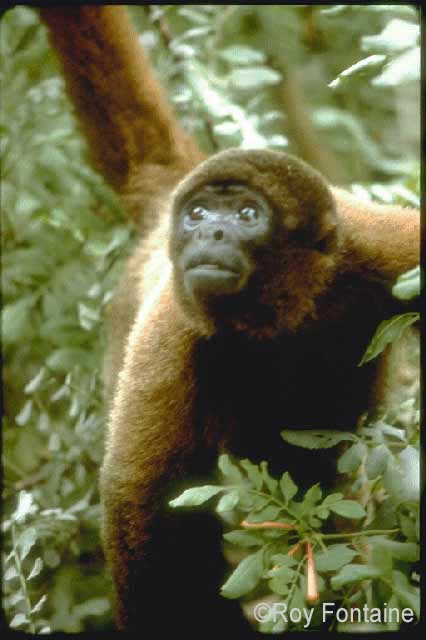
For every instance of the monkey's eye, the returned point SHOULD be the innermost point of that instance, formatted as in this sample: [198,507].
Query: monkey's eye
[248,214]
[197,213]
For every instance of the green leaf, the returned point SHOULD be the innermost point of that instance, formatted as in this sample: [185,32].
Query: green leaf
[402,476]
[284,561]
[270,482]
[37,567]
[18,620]
[298,601]
[348,509]
[388,331]
[51,558]
[16,597]
[390,430]
[393,625]
[336,556]
[26,541]
[196,496]
[352,458]
[335,10]
[195,33]
[26,506]
[244,538]
[402,70]
[281,584]
[331,499]
[281,562]
[35,382]
[25,414]
[16,319]
[268,513]
[312,496]
[193,15]
[268,624]
[37,607]
[398,35]
[277,140]
[227,128]
[253,473]
[313,439]
[405,551]
[11,573]
[250,78]
[65,359]
[377,460]
[245,577]
[88,317]
[230,470]
[408,285]
[242,55]
[251,502]
[92,607]
[287,486]
[354,573]
[406,592]
[101,245]
[323,513]
[359,67]
[227,502]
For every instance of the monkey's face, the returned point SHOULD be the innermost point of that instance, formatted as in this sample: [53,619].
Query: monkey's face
[216,234]
[253,242]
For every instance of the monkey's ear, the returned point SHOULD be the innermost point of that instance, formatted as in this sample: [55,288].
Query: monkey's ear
[320,232]
[328,242]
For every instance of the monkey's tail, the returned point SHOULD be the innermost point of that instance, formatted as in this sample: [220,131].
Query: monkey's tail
[134,137]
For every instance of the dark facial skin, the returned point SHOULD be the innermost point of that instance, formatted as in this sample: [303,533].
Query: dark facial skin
[218,229]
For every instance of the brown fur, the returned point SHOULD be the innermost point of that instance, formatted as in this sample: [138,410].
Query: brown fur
[121,107]
[184,392]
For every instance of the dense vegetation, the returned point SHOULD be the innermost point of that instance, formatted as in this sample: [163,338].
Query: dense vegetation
[338,85]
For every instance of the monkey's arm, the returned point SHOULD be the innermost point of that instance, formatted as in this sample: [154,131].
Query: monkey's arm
[120,104]
[146,447]
[381,241]
[166,564]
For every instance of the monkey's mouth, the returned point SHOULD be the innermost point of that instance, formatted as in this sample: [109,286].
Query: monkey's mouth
[207,279]
[214,269]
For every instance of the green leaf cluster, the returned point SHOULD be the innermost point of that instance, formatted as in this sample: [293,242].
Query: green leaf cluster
[274,521]
[63,239]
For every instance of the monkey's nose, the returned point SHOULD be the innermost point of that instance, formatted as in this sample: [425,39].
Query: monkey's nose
[209,233]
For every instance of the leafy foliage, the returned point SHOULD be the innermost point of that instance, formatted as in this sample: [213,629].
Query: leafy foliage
[371,561]
[62,239]
[387,332]
[63,244]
